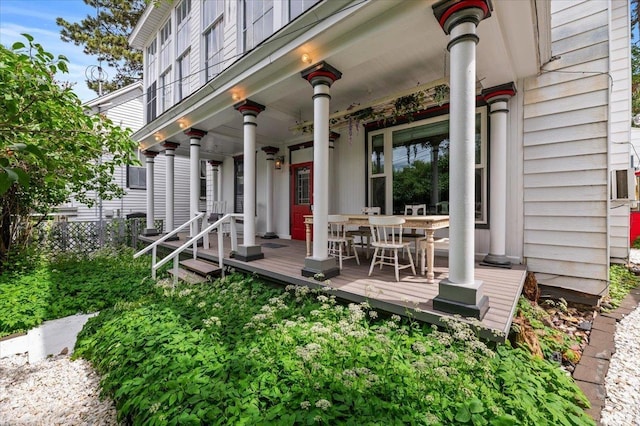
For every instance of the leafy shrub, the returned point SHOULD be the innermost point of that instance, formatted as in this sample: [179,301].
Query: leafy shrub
[69,285]
[621,280]
[236,351]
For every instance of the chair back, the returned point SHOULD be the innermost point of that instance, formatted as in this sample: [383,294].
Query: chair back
[415,210]
[218,209]
[386,229]
[371,211]
[337,228]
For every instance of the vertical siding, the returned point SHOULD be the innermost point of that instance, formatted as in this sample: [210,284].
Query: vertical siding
[620,114]
[565,152]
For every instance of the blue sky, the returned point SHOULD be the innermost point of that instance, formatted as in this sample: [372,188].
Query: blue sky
[38,18]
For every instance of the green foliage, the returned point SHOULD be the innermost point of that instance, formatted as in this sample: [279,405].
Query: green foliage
[237,351]
[106,35]
[621,280]
[70,285]
[49,147]
[635,58]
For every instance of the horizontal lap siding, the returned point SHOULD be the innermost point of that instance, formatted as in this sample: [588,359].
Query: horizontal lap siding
[620,114]
[565,153]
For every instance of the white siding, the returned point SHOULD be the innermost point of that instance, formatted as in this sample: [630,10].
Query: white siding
[565,153]
[620,129]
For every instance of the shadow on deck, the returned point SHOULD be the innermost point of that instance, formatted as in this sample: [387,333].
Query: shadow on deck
[411,297]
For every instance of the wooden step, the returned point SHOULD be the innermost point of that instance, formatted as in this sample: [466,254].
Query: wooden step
[201,267]
[188,276]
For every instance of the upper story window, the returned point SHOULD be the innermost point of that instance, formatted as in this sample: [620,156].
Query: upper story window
[182,22]
[151,101]
[152,55]
[165,46]
[184,77]
[165,91]
[296,7]
[213,25]
[257,23]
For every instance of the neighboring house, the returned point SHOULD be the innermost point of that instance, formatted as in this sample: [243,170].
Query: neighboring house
[125,107]
[525,128]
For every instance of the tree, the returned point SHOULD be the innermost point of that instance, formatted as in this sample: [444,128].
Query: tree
[50,147]
[106,35]
[635,57]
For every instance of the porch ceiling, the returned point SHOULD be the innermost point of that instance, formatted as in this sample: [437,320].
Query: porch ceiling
[384,48]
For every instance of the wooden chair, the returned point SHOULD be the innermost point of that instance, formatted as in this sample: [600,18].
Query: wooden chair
[218,210]
[386,235]
[364,232]
[340,244]
[416,235]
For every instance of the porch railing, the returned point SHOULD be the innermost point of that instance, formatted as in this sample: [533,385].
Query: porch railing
[193,242]
[154,246]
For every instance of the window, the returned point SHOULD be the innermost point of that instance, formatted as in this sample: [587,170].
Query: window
[182,22]
[165,46]
[257,22]
[184,77]
[136,177]
[409,164]
[213,24]
[238,187]
[296,7]
[165,91]
[151,102]
[203,180]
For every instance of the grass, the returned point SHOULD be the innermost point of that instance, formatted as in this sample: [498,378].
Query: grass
[621,281]
[241,351]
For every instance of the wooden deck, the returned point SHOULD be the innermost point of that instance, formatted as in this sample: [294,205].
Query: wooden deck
[412,296]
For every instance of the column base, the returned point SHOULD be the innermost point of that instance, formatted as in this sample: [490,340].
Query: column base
[496,260]
[269,236]
[249,253]
[320,269]
[150,232]
[466,300]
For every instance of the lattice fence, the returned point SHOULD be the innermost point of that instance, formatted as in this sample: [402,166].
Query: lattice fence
[89,236]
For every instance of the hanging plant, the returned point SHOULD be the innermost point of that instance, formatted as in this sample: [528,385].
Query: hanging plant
[440,94]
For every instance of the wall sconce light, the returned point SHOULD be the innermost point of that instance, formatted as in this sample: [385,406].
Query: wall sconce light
[236,96]
[278,162]
[306,58]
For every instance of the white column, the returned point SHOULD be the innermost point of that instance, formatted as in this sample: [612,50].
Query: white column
[321,76]
[249,251]
[150,229]
[215,184]
[271,151]
[333,193]
[460,292]
[169,153]
[435,192]
[195,136]
[498,98]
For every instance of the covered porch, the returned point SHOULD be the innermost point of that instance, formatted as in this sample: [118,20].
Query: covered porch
[412,297]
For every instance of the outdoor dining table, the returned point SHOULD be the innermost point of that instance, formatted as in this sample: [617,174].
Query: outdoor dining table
[429,223]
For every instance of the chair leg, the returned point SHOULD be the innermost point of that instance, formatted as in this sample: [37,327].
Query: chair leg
[373,260]
[340,255]
[395,258]
[413,268]
[355,252]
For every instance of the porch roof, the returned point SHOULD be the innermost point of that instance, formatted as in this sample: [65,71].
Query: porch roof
[382,48]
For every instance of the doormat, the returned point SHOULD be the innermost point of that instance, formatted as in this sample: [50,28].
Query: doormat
[273,245]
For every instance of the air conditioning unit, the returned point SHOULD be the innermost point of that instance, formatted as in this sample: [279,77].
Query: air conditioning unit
[623,185]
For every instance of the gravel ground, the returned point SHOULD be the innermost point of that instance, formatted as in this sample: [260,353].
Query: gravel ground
[55,391]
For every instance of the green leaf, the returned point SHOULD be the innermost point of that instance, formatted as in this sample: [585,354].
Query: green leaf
[475,406]
[23,177]
[463,415]
[18,45]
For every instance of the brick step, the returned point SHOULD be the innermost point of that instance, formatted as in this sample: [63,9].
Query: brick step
[201,267]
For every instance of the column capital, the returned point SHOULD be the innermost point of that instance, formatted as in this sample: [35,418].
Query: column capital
[249,107]
[499,93]
[195,133]
[333,136]
[149,154]
[450,13]
[270,150]
[321,73]
[170,145]
[215,163]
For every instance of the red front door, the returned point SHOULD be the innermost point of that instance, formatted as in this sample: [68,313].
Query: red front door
[301,197]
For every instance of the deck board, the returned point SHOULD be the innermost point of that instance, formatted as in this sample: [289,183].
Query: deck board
[412,295]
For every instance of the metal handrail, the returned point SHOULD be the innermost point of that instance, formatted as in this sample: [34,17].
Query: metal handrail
[156,243]
[230,217]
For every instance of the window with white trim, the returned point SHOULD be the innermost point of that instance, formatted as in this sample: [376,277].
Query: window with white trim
[152,93]
[213,36]
[257,22]
[297,7]
[165,91]
[165,46]
[183,11]
[183,68]
[203,179]
[152,77]
[136,177]
[409,164]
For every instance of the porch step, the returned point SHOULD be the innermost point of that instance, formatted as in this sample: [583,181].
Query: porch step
[201,267]
[188,276]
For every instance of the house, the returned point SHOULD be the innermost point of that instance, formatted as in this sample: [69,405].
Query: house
[125,107]
[512,116]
